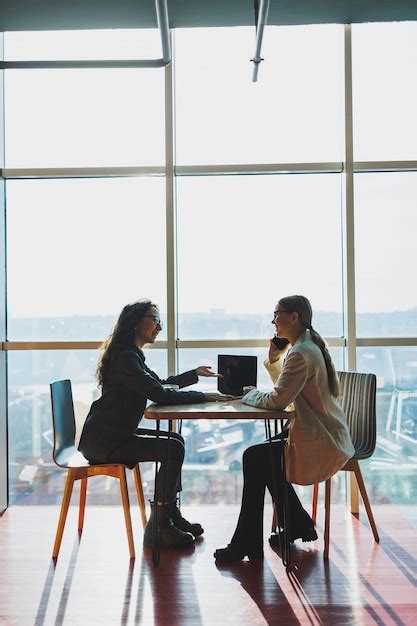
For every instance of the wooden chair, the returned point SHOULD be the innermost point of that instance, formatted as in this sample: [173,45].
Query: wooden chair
[66,455]
[359,405]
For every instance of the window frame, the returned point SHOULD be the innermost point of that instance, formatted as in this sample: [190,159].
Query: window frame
[347,167]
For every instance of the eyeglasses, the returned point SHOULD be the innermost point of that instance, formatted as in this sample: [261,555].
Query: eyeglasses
[156,320]
[279,312]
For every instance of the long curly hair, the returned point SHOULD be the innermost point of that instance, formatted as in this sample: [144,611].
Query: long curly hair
[121,336]
[302,306]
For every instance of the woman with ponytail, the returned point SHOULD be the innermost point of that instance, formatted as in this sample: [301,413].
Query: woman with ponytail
[317,442]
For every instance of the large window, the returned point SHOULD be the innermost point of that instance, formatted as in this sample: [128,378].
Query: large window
[78,250]
[32,473]
[84,117]
[392,468]
[385,93]
[239,235]
[82,44]
[385,130]
[386,254]
[33,476]
[294,112]
[61,118]
[96,219]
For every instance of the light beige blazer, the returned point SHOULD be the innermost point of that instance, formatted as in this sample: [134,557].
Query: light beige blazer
[319,442]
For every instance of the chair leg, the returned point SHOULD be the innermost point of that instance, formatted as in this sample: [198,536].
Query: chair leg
[139,491]
[365,499]
[314,503]
[274,519]
[126,510]
[327,518]
[69,483]
[83,496]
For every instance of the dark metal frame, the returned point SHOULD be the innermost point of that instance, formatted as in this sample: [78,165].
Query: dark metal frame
[285,546]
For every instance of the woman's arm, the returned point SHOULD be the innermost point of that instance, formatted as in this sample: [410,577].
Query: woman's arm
[129,371]
[183,380]
[274,369]
[291,381]
[192,376]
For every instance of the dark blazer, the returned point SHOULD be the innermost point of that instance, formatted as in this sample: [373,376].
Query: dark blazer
[114,417]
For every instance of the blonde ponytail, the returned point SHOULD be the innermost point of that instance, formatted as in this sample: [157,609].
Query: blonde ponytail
[332,376]
[301,305]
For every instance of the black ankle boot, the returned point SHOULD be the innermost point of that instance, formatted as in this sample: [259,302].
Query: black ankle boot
[171,536]
[234,552]
[308,534]
[183,524]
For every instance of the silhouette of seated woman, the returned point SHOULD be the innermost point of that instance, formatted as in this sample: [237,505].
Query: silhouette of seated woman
[317,443]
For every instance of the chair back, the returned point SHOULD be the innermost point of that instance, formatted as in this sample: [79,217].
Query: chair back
[358,399]
[63,418]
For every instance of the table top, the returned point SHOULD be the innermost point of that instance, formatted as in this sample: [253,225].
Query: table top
[233,409]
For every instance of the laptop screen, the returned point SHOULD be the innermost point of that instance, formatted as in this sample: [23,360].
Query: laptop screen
[238,372]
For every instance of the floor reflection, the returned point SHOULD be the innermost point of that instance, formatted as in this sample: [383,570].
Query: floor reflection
[166,589]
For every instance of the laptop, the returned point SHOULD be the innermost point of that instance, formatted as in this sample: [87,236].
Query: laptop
[238,372]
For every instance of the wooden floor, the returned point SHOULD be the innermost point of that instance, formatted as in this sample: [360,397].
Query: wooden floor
[94,581]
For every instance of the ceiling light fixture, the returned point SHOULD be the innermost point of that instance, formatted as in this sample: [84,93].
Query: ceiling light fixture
[261,15]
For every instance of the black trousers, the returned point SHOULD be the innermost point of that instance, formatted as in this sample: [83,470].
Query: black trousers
[142,447]
[257,474]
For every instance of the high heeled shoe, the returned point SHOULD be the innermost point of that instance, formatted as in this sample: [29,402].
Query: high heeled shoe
[237,553]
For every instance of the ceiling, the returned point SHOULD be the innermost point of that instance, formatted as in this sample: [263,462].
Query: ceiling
[84,14]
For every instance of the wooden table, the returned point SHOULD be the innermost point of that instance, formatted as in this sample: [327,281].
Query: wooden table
[233,409]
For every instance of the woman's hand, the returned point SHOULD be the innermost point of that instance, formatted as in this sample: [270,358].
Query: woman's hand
[205,370]
[218,397]
[274,352]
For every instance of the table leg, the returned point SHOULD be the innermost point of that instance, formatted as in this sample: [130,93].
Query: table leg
[164,491]
[286,555]
[180,432]
[274,482]
[283,536]
[157,532]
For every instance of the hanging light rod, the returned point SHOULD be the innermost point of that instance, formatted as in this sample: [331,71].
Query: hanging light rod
[163,25]
[261,16]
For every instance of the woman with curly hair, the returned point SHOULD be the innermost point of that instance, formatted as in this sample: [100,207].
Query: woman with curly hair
[111,432]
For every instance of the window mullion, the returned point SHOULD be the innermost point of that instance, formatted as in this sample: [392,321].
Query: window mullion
[3,317]
[170,221]
[348,209]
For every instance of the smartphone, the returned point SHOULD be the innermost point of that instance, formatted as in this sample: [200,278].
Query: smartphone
[280,343]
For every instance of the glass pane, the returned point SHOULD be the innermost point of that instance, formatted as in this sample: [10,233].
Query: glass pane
[212,471]
[292,114]
[79,250]
[82,44]
[391,473]
[84,118]
[386,254]
[240,242]
[384,63]
[33,476]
